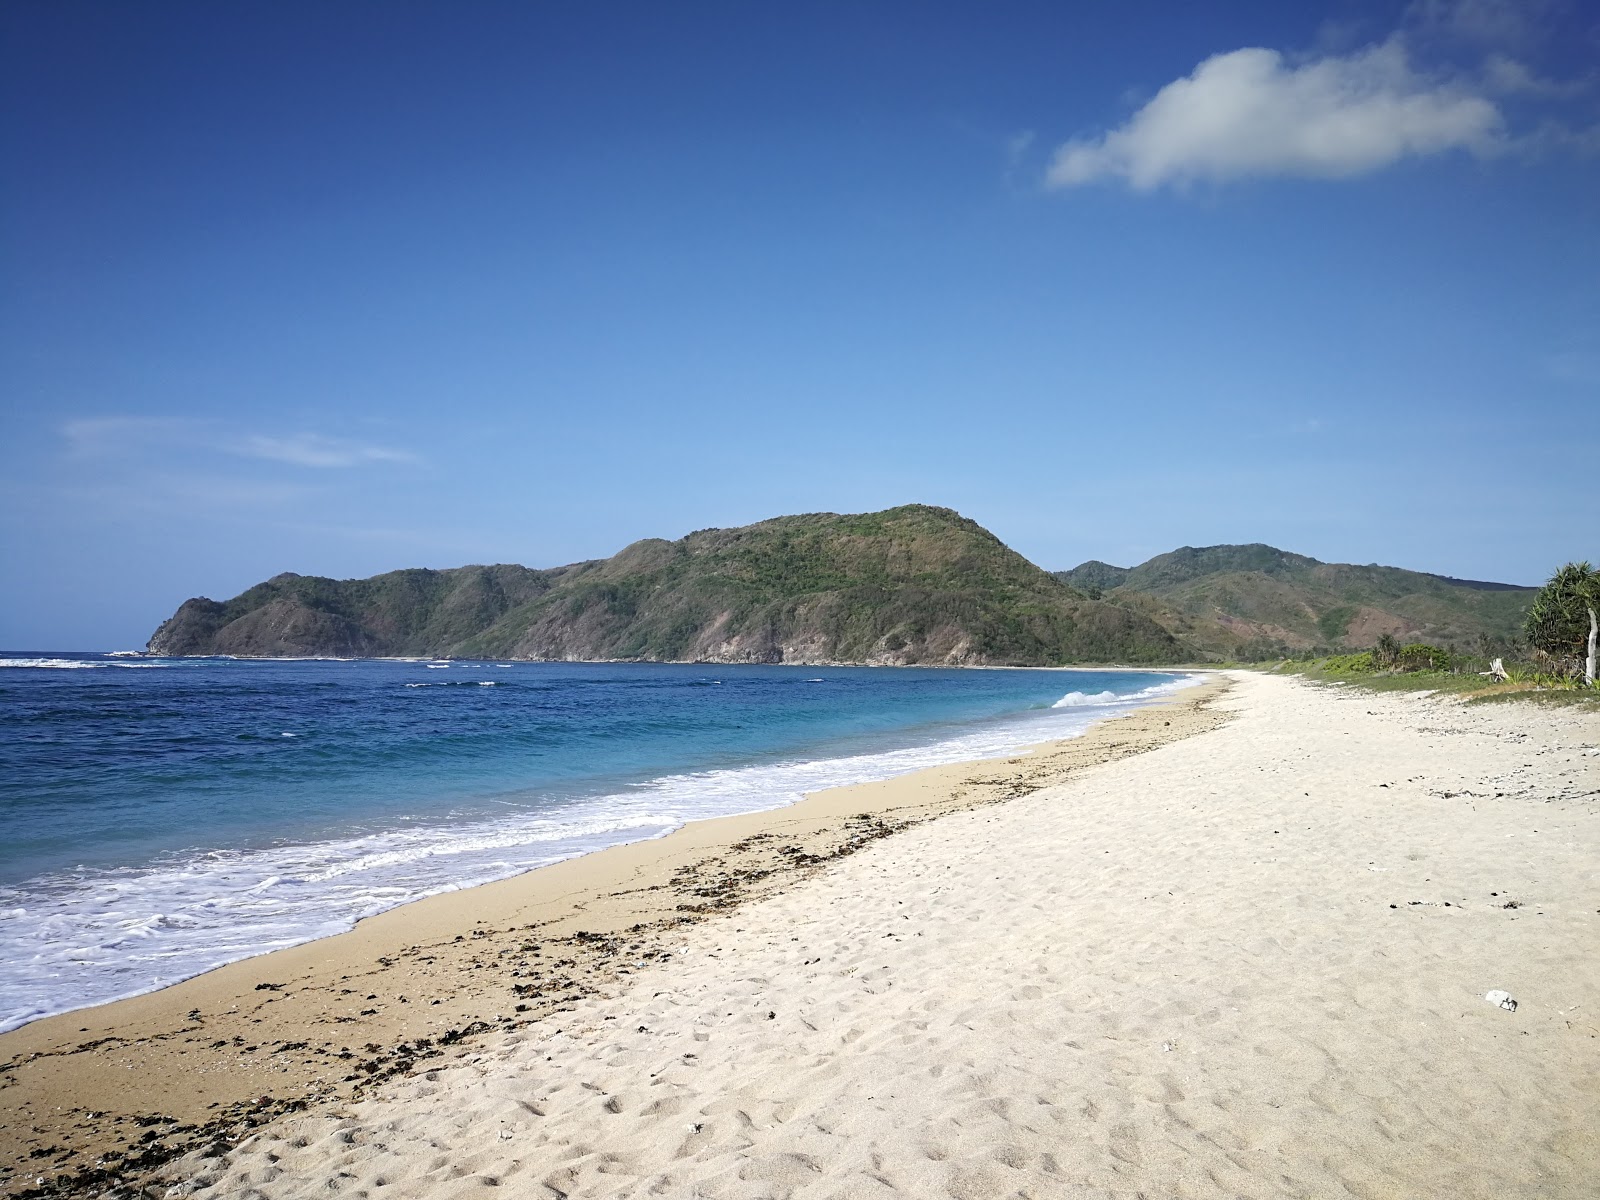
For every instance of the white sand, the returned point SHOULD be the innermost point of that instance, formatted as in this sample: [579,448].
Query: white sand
[1178,975]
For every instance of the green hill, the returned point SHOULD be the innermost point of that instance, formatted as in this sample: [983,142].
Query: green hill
[914,584]
[412,612]
[1257,600]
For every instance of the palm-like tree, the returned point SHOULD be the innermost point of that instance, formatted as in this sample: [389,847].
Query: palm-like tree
[1562,621]
[1387,651]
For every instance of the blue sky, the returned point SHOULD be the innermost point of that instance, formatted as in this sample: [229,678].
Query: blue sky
[345,287]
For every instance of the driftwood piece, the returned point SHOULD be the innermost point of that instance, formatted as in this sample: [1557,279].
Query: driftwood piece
[1588,665]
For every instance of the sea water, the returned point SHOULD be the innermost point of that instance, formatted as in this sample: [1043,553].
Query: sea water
[162,817]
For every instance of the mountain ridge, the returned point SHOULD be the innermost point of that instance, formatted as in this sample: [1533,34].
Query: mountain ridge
[1255,600]
[913,585]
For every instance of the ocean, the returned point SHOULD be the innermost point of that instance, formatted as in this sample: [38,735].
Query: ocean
[162,817]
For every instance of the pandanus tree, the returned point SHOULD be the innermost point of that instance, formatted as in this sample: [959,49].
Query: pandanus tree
[1387,652]
[1564,620]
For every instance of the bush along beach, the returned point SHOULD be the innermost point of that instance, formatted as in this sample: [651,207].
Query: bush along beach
[1554,658]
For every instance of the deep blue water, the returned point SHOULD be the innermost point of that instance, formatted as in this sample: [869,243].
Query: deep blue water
[164,816]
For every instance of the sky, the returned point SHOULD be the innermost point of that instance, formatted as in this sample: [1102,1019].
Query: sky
[345,287]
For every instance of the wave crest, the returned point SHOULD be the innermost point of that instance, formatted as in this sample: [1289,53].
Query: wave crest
[71,664]
[1087,699]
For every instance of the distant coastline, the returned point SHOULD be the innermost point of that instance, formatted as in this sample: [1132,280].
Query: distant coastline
[676,662]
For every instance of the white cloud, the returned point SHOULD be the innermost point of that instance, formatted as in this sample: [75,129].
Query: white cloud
[1250,113]
[130,437]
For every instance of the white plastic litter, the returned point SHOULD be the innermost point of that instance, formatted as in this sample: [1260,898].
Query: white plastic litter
[1501,999]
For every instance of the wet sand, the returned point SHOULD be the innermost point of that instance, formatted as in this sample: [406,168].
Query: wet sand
[106,1096]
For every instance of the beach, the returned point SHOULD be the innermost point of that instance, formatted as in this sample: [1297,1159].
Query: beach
[1238,944]
[109,1093]
[171,818]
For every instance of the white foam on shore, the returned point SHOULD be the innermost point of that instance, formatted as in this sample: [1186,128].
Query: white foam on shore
[1142,696]
[88,936]
[1084,699]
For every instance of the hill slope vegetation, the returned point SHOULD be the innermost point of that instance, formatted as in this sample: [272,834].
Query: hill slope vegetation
[910,585]
[1255,601]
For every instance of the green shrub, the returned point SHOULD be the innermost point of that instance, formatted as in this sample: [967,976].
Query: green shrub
[1350,664]
[1419,656]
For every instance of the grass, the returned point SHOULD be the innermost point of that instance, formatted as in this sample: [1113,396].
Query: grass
[1587,698]
[1462,680]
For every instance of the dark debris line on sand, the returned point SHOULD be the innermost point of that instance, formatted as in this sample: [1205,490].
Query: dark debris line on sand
[543,978]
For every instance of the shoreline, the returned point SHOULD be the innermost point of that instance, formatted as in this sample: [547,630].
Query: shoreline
[951,742]
[108,1093]
[616,662]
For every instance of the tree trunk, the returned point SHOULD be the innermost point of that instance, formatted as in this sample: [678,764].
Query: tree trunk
[1588,666]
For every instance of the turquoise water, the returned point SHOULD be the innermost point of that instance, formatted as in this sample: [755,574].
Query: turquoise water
[165,816]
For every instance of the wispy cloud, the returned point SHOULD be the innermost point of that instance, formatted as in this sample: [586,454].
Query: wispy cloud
[315,450]
[1509,77]
[1252,113]
[1503,23]
[140,437]
[1018,144]
[99,437]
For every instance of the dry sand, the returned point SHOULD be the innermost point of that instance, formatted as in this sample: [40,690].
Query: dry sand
[106,1095]
[1247,963]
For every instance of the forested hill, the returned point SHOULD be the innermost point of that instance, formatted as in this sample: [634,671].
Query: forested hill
[1256,601]
[910,585]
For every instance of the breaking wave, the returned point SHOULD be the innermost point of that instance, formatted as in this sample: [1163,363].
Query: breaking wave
[71,664]
[1143,695]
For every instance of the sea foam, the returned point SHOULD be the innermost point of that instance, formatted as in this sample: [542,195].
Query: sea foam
[1142,696]
[70,664]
